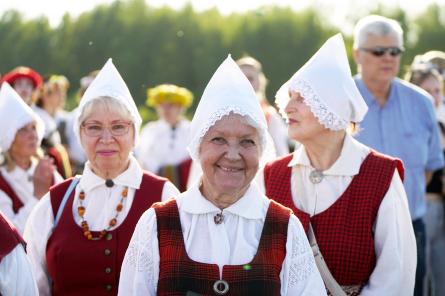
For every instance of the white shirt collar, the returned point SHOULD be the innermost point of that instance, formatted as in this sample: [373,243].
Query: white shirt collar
[250,206]
[348,164]
[131,177]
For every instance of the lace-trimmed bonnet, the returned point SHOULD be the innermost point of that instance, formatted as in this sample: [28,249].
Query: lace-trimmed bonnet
[327,87]
[15,114]
[228,91]
[109,83]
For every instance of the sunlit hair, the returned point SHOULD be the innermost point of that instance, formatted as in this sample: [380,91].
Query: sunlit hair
[376,25]
[420,70]
[245,119]
[108,103]
[249,61]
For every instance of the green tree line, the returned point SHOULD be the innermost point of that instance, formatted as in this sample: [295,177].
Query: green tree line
[161,45]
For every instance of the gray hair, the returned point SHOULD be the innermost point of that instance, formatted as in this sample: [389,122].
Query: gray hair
[378,26]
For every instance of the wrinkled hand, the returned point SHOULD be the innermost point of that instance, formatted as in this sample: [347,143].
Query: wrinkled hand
[43,176]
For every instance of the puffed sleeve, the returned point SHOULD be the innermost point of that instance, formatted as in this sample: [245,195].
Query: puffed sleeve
[395,245]
[299,275]
[16,277]
[37,231]
[140,268]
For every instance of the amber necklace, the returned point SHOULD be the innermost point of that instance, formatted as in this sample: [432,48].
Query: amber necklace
[84,224]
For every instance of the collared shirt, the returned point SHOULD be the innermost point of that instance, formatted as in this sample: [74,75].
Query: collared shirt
[100,206]
[394,239]
[161,144]
[233,242]
[21,182]
[405,127]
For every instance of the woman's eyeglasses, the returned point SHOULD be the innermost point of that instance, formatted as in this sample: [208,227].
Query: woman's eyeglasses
[380,51]
[96,130]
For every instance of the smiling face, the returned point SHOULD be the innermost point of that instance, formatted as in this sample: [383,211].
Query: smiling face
[108,151]
[303,126]
[229,156]
[25,143]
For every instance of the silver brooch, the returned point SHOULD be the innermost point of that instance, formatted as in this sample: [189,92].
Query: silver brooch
[218,218]
[316,176]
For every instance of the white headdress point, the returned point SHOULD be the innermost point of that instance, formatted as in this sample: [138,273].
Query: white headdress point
[227,91]
[327,87]
[15,114]
[109,83]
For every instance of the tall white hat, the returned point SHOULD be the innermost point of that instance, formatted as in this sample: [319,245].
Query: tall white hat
[109,83]
[228,91]
[15,114]
[327,87]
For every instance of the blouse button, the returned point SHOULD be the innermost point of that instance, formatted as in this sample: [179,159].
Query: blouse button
[108,287]
[108,270]
[107,252]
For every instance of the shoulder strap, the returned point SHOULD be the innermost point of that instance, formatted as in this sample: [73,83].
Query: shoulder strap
[331,284]
[65,199]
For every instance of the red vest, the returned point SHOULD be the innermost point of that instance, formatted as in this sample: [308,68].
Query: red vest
[343,231]
[9,237]
[5,187]
[78,266]
[178,274]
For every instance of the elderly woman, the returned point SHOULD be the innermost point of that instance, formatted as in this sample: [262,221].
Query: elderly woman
[163,142]
[24,176]
[222,236]
[16,276]
[424,73]
[78,233]
[349,198]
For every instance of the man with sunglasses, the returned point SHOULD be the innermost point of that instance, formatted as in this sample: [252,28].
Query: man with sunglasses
[400,119]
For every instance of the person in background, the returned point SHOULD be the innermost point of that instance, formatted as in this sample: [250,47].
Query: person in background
[163,142]
[400,121]
[16,276]
[222,236]
[426,75]
[275,124]
[349,197]
[78,233]
[25,176]
[49,99]
[24,80]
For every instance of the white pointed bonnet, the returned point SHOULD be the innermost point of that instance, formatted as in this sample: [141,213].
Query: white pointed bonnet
[327,87]
[109,83]
[228,91]
[15,114]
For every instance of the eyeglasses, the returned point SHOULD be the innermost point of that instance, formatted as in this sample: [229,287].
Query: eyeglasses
[380,51]
[96,130]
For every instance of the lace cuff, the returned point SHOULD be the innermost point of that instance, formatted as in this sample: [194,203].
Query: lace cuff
[327,118]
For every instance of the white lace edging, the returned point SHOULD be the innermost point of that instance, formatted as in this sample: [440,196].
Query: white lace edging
[326,117]
[302,261]
[266,144]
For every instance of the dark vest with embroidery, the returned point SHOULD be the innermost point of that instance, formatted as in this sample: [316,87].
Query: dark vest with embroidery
[9,237]
[78,266]
[178,274]
[343,231]
[6,188]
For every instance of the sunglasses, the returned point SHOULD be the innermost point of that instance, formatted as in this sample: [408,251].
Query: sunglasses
[380,51]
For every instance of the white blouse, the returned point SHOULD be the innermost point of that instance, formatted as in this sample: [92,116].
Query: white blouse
[160,145]
[100,206]
[21,182]
[233,242]
[16,276]
[395,243]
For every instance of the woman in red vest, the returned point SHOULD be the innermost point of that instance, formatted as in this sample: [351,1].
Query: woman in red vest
[16,276]
[24,177]
[222,236]
[78,234]
[349,198]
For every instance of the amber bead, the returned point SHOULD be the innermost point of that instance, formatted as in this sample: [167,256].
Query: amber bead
[82,195]
[81,211]
[113,222]
[125,192]
[119,207]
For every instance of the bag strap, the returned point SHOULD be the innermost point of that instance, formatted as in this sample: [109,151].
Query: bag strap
[65,199]
[331,284]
